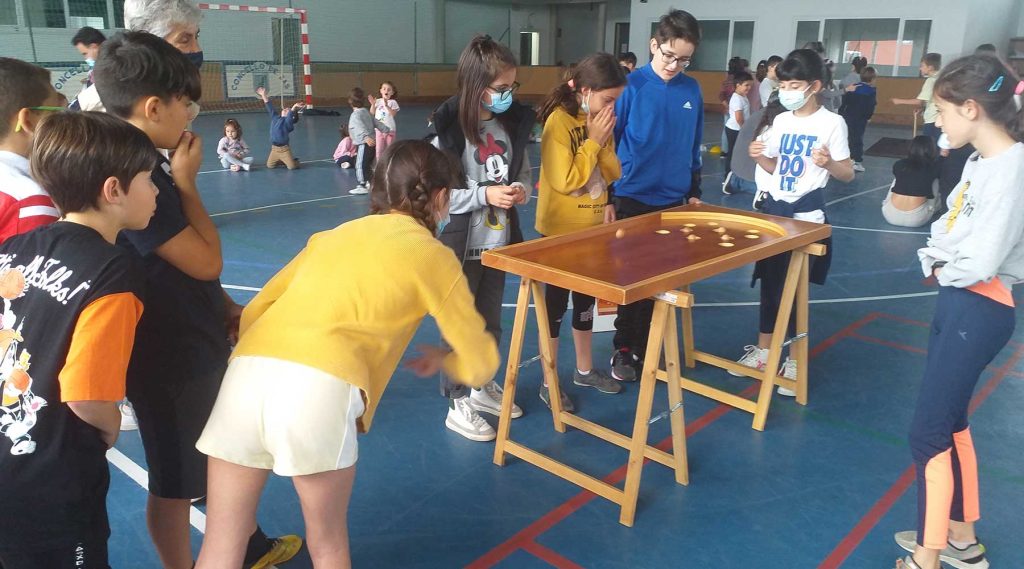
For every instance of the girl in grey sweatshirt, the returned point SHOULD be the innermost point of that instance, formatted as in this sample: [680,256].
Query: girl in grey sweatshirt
[976,252]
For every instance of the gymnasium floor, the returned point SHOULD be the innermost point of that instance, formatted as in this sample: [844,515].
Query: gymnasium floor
[823,486]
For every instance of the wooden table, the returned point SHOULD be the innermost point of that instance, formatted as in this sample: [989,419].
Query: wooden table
[657,256]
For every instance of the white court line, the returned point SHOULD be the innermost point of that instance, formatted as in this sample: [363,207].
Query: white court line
[851,196]
[141,477]
[229,170]
[881,230]
[271,206]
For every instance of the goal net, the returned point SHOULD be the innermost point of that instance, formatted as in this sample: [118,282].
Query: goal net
[247,47]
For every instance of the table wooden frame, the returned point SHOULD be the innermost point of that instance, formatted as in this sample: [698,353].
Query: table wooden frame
[663,338]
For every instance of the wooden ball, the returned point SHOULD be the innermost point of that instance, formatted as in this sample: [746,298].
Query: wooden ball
[620,233]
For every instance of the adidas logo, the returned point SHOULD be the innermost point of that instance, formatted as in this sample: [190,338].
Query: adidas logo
[687,105]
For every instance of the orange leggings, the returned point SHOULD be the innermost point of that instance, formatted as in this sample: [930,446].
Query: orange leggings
[968,331]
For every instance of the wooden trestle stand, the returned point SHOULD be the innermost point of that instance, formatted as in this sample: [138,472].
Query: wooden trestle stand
[655,256]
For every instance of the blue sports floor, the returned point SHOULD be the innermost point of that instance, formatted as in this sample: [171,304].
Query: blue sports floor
[823,486]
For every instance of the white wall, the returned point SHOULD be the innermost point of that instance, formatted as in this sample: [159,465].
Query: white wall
[996,24]
[577,31]
[775,30]
[501,21]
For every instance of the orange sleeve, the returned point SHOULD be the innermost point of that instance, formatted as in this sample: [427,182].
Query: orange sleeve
[101,346]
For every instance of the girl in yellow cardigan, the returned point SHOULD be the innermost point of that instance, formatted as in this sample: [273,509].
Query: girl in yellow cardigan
[318,346]
[578,162]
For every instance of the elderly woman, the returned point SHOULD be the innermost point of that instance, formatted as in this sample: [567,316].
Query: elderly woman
[177,21]
[170,402]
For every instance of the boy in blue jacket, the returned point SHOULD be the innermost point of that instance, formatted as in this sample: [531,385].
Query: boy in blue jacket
[658,132]
[280,132]
[858,106]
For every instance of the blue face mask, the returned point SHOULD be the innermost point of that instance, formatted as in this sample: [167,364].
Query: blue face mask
[441,224]
[499,103]
[90,62]
[196,58]
[793,100]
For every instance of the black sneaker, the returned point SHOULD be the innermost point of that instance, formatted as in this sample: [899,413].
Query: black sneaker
[624,364]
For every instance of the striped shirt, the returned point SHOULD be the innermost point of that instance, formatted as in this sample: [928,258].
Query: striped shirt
[23,204]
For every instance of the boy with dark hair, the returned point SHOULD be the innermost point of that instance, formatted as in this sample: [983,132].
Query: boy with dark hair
[858,107]
[182,344]
[657,138]
[66,344]
[931,63]
[628,60]
[27,97]
[281,127]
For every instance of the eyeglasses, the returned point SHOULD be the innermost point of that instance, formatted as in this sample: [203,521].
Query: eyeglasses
[667,59]
[506,91]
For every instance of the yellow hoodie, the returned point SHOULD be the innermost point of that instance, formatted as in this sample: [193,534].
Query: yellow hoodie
[349,303]
[568,159]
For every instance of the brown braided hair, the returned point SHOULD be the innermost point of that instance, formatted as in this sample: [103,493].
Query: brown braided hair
[408,178]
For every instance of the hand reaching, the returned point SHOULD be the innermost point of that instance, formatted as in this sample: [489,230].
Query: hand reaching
[429,362]
[821,156]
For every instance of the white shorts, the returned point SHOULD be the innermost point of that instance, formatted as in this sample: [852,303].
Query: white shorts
[283,416]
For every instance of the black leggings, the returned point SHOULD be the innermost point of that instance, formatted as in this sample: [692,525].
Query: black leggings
[730,135]
[557,300]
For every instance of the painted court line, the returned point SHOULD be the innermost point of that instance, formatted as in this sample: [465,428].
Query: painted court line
[897,231]
[853,539]
[286,204]
[527,536]
[851,196]
[141,477]
[228,170]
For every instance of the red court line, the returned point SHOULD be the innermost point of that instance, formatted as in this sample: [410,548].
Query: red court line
[887,343]
[885,503]
[547,521]
[550,557]
[921,324]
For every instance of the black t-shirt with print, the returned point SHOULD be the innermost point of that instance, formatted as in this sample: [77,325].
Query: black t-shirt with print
[53,471]
[181,336]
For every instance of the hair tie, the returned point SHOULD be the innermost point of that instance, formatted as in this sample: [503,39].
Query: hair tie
[1020,88]
[571,83]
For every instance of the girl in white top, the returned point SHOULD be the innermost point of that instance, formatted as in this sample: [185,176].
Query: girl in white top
[384,109]
[807,146]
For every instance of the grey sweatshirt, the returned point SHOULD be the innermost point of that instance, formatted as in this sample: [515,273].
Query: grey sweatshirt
[361,125]
[487,166]
[987,237]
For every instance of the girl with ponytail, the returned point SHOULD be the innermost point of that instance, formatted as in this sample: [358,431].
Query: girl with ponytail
[578,162]
[976,253]
[318,346]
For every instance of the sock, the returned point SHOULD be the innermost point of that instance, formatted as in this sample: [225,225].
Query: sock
[583,372]
[961,545]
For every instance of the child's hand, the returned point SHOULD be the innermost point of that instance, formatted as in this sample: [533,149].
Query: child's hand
[186,159]
[821,156]
[298,106]
[694,201]
[502,196]
[429,362]
[372,100]
[756,149]
[261,93]
[601,125]
[521,195]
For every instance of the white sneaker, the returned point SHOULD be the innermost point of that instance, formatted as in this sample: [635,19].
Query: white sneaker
[128,420]
[359,190]
[487,399]
[346,165]
[788,371]
[755,358]
[246,167]
[725,185]
[465,421]
[858,167]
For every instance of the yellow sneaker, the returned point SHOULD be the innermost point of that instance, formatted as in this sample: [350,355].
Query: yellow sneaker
[282,550]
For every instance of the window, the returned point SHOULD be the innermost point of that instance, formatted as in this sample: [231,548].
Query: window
[743,41]
[118,13]
[875,39]
[87,13]
[713,54]
[8,13]
[806,32]
[45,14]
[913,46]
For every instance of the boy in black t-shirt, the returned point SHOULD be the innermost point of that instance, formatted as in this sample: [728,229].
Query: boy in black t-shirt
[71,303]
[181,347]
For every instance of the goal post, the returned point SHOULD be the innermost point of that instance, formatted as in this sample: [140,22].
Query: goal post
[255,46]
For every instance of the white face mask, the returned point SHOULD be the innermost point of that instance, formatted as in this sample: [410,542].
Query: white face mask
[585,105]
[793,100]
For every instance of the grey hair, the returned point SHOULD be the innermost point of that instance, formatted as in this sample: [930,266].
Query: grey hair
[159,17]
